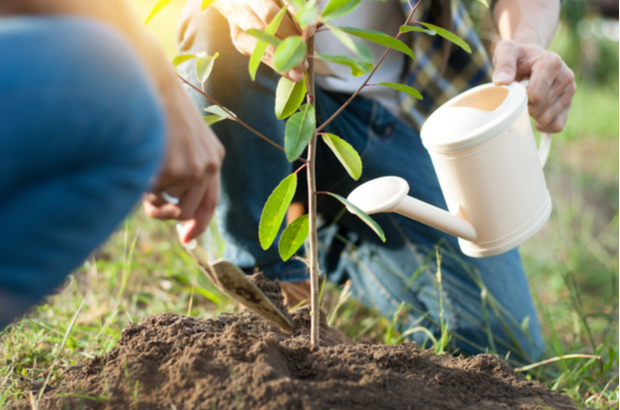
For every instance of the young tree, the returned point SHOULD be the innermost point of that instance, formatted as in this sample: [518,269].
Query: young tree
[295,102]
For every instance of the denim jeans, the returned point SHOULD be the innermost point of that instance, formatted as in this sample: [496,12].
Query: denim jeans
[484,303]
[81,135]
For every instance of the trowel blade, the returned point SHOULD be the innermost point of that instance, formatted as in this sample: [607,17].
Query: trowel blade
[231,280]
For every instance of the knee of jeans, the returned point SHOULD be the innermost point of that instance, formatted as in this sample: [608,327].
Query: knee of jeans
[107,70]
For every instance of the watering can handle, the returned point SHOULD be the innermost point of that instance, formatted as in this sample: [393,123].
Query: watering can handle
[544,148]
[545,138]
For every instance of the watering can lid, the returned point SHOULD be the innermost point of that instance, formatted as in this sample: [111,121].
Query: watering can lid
[473,117]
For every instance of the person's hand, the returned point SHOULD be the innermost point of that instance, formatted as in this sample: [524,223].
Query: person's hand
[551,83]
[191,169]
[246,14]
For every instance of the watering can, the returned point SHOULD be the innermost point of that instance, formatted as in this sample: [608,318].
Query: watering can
[483,149]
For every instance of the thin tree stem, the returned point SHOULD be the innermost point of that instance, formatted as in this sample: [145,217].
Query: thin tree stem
[330,119]
[312,211]
[232,115]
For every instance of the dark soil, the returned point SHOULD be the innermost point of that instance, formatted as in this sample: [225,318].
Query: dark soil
[239,361]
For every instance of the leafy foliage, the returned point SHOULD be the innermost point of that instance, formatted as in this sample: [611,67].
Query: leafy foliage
[275,210]
[380,38]
[204,66]
[289,96]
[156,9]
[403,88]
[440,31]
[289,53]
[299,131]
[293,237]
[346,154]
[362,215]
[261,46]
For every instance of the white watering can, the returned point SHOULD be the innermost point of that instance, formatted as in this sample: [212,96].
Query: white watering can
[482,147]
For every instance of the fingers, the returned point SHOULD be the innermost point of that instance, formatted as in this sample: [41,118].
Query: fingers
[553,118]
[505,59]
[203,215]
[551,83]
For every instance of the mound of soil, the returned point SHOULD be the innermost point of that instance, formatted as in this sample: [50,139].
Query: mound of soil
[239,361]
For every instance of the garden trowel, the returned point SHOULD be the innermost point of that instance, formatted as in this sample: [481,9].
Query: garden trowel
[231,280]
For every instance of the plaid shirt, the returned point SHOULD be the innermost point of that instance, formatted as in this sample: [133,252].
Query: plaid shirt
[462,71]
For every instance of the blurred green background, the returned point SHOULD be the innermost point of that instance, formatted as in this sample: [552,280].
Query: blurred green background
[572,262]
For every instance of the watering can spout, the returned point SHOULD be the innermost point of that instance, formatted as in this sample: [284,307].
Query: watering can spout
[437,218]
[389,194]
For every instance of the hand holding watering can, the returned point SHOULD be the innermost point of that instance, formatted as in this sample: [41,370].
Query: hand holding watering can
[483,150]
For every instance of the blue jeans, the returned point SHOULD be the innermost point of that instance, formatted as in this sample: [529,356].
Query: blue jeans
[485,303]
[81,134]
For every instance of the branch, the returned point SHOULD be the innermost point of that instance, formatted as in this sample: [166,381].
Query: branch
[330,119]
[233,116]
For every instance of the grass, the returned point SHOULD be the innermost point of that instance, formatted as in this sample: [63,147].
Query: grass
[572,265]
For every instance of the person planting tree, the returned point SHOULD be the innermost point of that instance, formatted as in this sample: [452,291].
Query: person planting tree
[92,115]
[483,303]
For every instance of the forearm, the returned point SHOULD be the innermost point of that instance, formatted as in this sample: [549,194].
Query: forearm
[117,13]
[527,21]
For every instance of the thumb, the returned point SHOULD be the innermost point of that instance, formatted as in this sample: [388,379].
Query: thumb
[505,61]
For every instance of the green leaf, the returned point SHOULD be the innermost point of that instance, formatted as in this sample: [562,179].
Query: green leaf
[205,5]
[309,14]
[289,53]
[181,58]
[448,36]
[264,36]
[359,50]
[204,65]
[407,29]
[212,119]
[289,96]
[362,215]
[293,237]
[217,110]
[357,67]
[275,210]
[346,154]
[339,8]
[379,38]
[261,46]
[219,114]
[403,88]
[156,9]
[299,131]
[485,2]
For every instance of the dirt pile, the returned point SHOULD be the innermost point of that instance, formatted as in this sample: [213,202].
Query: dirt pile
[239,361]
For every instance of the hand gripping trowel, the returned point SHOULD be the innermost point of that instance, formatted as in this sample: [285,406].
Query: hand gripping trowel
[231,280]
